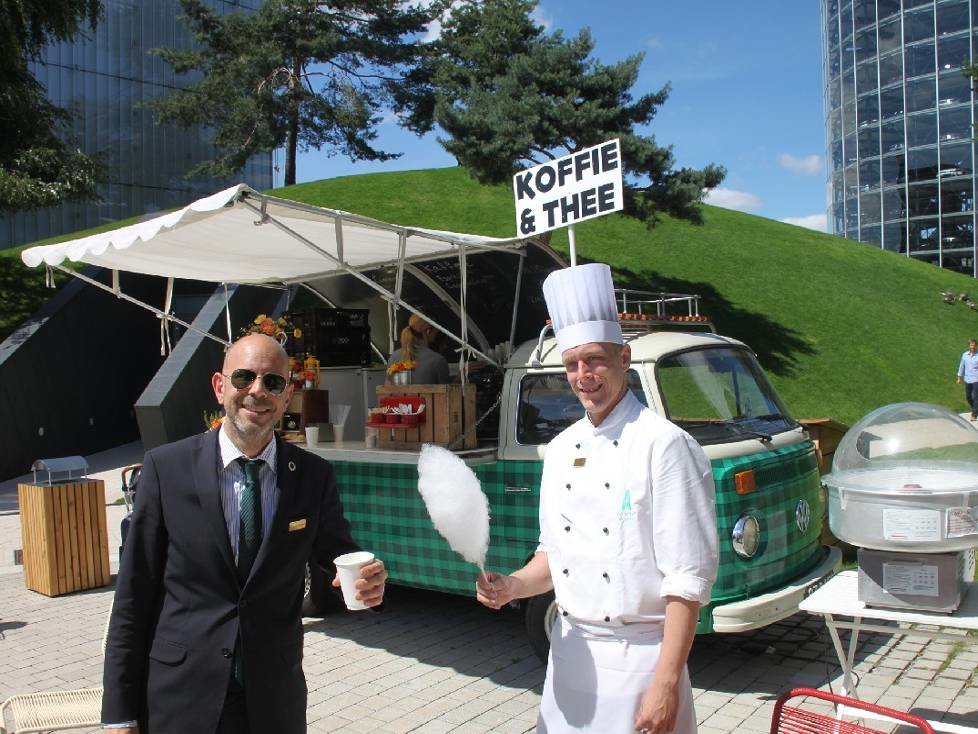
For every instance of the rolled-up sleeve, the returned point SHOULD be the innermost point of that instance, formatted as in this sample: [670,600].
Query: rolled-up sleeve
[684,518]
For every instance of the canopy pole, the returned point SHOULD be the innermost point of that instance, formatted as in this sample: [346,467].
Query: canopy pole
[516,306]
[227,312]
[463,290]
[115,282]
[141,304]
[165,346]
[398,287]
[572,240]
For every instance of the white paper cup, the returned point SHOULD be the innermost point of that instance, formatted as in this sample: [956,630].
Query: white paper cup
[312,436]
[348,569]
[338,432]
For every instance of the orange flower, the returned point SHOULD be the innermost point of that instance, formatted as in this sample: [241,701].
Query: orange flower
[268,327]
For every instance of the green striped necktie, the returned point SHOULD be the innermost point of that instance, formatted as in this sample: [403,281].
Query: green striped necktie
[249,527]
[249,540]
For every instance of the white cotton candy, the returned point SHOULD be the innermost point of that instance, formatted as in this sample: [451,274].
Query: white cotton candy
[456,503]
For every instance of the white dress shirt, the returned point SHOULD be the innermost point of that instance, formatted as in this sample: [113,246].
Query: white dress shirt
[627,517]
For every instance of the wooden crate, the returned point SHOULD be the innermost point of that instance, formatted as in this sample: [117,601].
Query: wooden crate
[449,413]
[63,530]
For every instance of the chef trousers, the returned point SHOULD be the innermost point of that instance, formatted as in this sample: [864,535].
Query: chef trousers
[596,677]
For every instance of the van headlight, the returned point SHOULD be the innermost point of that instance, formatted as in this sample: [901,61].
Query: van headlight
[746,536]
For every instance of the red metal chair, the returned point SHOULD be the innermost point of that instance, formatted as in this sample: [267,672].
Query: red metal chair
[793,720]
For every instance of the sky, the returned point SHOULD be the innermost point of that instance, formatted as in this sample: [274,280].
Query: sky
[746,94]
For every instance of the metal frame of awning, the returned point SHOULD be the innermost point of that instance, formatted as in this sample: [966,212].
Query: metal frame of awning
[459,247]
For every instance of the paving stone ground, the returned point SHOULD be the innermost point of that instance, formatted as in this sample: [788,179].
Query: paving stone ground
[441,663]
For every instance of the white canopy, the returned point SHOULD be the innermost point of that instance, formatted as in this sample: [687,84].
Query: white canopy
[241,236]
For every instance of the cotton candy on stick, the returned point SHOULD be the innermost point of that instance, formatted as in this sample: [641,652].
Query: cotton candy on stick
[455,502]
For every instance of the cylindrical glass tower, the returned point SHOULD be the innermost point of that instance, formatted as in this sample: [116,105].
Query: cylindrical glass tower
[899,126]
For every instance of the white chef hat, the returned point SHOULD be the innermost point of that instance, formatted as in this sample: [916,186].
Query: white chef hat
[581,302]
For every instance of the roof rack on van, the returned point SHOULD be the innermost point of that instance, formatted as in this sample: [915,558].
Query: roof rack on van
[642,312]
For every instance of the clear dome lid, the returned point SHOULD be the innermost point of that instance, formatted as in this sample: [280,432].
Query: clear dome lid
[907,448]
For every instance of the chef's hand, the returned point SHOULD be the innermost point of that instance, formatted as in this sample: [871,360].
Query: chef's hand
[495,590]
[657,712]
[370,583]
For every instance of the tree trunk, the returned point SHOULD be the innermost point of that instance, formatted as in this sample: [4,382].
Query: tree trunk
[292,135]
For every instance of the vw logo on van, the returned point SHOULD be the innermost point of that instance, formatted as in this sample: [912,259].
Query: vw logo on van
[803,515]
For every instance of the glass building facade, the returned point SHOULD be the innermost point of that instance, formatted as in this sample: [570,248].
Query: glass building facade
[899,126]
[102,76]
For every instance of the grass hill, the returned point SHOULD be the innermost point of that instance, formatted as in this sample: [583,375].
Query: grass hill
[841,328]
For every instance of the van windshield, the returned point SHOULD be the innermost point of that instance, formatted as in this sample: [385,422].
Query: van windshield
[547,406]
[720,395]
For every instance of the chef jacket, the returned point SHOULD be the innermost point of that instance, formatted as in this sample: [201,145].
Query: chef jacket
[627,517]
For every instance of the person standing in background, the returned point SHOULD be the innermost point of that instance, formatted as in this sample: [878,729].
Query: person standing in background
[430,368]
[968,371]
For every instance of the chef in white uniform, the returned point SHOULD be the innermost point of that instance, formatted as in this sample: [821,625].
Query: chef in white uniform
[628,537]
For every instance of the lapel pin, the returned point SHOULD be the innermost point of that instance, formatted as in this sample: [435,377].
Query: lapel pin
[291,466]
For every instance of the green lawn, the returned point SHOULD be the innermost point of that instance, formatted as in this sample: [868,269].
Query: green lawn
[841,328]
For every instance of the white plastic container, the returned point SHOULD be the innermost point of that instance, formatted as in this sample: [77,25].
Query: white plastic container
[905,478]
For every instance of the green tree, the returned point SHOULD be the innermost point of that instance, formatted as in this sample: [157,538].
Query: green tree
[297,73]
[38,166]
[509,95]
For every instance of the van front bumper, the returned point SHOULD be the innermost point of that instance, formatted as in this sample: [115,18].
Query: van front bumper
[766,609]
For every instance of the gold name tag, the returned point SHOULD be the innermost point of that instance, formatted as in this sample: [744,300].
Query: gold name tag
[297,525]
[580,461]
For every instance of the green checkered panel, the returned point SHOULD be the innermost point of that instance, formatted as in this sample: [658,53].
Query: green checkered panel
[784,477]
[389,518]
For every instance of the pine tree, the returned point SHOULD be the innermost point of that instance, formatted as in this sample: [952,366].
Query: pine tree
[38,164]
[509,95]
[302,74]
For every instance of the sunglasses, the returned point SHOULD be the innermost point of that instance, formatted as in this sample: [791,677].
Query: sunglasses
[243,379]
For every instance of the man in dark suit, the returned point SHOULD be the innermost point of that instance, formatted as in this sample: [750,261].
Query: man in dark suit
[206,628]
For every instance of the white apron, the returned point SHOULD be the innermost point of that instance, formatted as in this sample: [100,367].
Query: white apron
[595,682]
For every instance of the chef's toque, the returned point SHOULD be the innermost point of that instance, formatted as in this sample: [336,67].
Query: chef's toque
[581,302]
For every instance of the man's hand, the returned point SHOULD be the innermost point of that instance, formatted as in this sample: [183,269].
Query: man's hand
[370,583]
[657,712]
[959,381]
[495,590]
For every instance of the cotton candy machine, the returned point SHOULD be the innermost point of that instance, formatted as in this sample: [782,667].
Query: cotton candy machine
[904,489]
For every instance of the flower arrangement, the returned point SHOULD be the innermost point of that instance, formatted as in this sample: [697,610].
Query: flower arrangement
[280,329]
[405,366]
[213,419]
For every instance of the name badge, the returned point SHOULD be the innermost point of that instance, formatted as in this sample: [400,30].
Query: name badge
[297,525]
[580,461]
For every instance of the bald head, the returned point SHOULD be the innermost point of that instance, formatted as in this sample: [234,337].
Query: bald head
[255,345]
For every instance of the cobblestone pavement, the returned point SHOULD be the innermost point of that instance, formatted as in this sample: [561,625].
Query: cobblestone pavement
[439,663]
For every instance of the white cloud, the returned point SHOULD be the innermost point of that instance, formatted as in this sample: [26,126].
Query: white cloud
[732,199]
[654,43]
[542,17]
[818,222]
[810,165]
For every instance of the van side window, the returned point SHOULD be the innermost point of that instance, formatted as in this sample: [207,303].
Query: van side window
[547,405]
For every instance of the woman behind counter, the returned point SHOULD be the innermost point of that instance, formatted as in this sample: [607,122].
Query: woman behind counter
[430,368]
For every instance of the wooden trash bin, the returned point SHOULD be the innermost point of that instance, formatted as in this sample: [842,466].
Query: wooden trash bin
[63,529]
[449,414]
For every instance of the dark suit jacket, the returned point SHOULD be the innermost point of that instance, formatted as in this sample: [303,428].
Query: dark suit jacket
[179,606]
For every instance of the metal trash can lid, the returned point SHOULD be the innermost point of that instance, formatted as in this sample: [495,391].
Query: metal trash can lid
[70,466]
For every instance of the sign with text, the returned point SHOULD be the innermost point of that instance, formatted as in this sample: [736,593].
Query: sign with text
[579,186]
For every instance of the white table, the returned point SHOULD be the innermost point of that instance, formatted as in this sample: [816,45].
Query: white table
[838,598]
